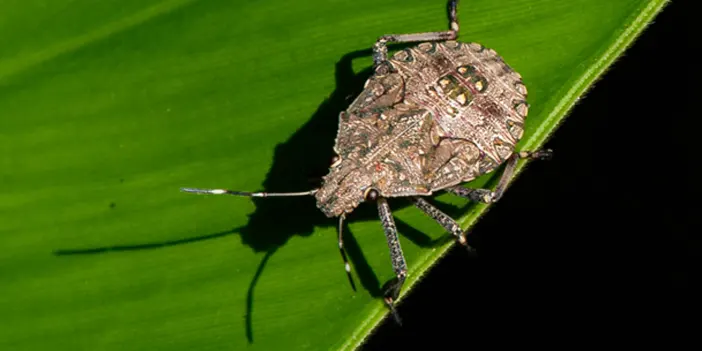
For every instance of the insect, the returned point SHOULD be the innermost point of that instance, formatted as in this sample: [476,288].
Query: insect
[430,118]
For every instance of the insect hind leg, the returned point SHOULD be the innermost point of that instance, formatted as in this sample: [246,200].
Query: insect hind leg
[488,196]
[380,50]
[443,219]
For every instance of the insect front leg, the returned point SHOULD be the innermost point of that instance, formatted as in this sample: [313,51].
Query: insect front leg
[445,220]
[488,196]
[380,50]
[393,287]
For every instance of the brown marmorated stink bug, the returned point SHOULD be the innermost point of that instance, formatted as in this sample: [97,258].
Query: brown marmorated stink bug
[431,117]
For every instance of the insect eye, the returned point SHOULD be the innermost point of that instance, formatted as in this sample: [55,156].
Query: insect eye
[371,194]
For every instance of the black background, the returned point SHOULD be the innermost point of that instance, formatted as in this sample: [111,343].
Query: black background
[599,243]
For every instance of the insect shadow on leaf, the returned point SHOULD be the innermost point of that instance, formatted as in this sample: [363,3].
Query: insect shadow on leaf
[430,118]
[299,163]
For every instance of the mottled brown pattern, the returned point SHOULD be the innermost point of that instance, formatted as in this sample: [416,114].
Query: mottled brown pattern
[432,116]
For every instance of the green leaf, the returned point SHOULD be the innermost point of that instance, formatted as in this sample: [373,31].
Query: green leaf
[109,107]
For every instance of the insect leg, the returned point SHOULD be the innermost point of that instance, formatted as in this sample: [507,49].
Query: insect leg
[380,50]
[244,193]
[536,155]
[392,288]
[445,220]
[347,266]
[489,196]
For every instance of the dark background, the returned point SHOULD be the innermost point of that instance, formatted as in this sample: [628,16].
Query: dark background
[601,242]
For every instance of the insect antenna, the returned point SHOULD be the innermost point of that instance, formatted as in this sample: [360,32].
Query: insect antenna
[245,193]
[347,266]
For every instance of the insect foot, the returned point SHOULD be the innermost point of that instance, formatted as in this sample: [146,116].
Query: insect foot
[479,195]
[391,291]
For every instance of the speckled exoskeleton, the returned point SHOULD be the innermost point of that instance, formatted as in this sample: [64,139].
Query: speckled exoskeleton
[430,118]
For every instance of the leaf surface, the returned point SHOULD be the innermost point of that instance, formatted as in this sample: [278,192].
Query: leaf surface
[109,107]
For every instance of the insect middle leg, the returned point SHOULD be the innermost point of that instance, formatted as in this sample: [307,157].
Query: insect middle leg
[380,50]
[442,218]
[393,287]
[488,196]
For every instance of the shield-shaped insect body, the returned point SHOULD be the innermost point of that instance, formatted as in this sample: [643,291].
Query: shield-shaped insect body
[430,118]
